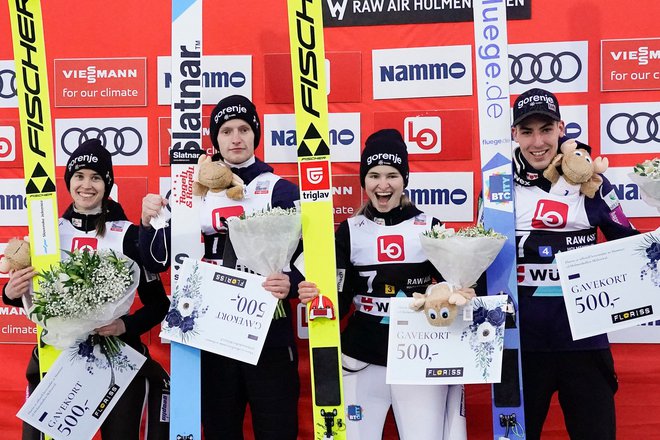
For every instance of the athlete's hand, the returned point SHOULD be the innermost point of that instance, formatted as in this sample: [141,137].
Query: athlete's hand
[307,291]
[115,328]
[19,282]
[278,284]
[151,205]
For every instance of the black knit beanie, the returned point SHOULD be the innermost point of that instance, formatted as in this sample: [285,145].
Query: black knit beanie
[234,107]
[92,155]
[385,147]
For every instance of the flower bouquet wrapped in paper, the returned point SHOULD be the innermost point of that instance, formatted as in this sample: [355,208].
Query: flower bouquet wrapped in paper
[647,176]
[84,292]
[265,241]
[461,256]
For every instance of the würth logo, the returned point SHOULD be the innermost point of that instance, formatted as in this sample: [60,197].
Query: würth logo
[390,248]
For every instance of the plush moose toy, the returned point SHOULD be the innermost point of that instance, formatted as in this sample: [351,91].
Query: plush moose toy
[578,171]
[441,303]
[17,255]
[216,177]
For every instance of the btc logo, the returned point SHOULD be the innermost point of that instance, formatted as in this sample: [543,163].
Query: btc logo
[550,214]
[7,143]
[390,248]
[315,175]
[86,244]
[422,134]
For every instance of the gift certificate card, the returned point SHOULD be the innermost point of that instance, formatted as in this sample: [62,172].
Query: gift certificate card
[612,285]
[463,352]
[80,389]
[221,310]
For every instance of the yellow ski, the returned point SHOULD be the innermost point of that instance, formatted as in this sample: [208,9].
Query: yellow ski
[311,107]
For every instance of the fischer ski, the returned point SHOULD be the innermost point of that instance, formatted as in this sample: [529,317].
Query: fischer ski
[492,65]
[186,147]
[37,147]
[314,170]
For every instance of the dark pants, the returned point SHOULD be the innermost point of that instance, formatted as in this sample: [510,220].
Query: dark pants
[585,382]
[123,422]
[271,388]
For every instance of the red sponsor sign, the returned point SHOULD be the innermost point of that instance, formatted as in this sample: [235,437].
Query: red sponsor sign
[219,216]
[432,134]
[632,64]
[550,214]
[101,82]
[345,77]
[315,175]
[347,196]
[128,191]
[11,155]
[390,248]
[165,138]
[15,327]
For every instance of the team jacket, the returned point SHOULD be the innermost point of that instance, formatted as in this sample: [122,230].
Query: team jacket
[379,256]
[77,231]
[548,223]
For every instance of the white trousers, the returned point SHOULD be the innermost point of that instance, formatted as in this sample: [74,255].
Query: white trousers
[422,412]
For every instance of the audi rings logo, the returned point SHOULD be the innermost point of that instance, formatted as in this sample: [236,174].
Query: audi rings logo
[545,67]
[7,84]
[125,141]
[642,127]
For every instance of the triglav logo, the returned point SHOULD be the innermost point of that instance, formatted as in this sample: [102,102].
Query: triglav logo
[124,141]
[314,175]
[7,84]
[7,143]
[422,134]
[390,248]
[550,214]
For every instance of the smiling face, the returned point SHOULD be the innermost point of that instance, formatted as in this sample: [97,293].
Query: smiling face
[236,141]
[87,188]
[384,187]
[539,140]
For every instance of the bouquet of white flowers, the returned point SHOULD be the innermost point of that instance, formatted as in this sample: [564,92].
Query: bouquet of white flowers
[647,176]
[86,291]
[265,241]
[461,256]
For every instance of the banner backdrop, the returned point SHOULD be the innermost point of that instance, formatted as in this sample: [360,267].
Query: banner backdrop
[401,63]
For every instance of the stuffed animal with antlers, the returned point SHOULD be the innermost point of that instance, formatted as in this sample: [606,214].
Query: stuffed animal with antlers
[579,173]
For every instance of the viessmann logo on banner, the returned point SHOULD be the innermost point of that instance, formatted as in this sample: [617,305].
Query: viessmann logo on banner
[560,66]
[374,12]
[432,134]
[630,128]
[13,205]
[125,138]
[446,196]
[8,95]
[222,76]
[422,72]
[631,64]
[100,82]
[280,137]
